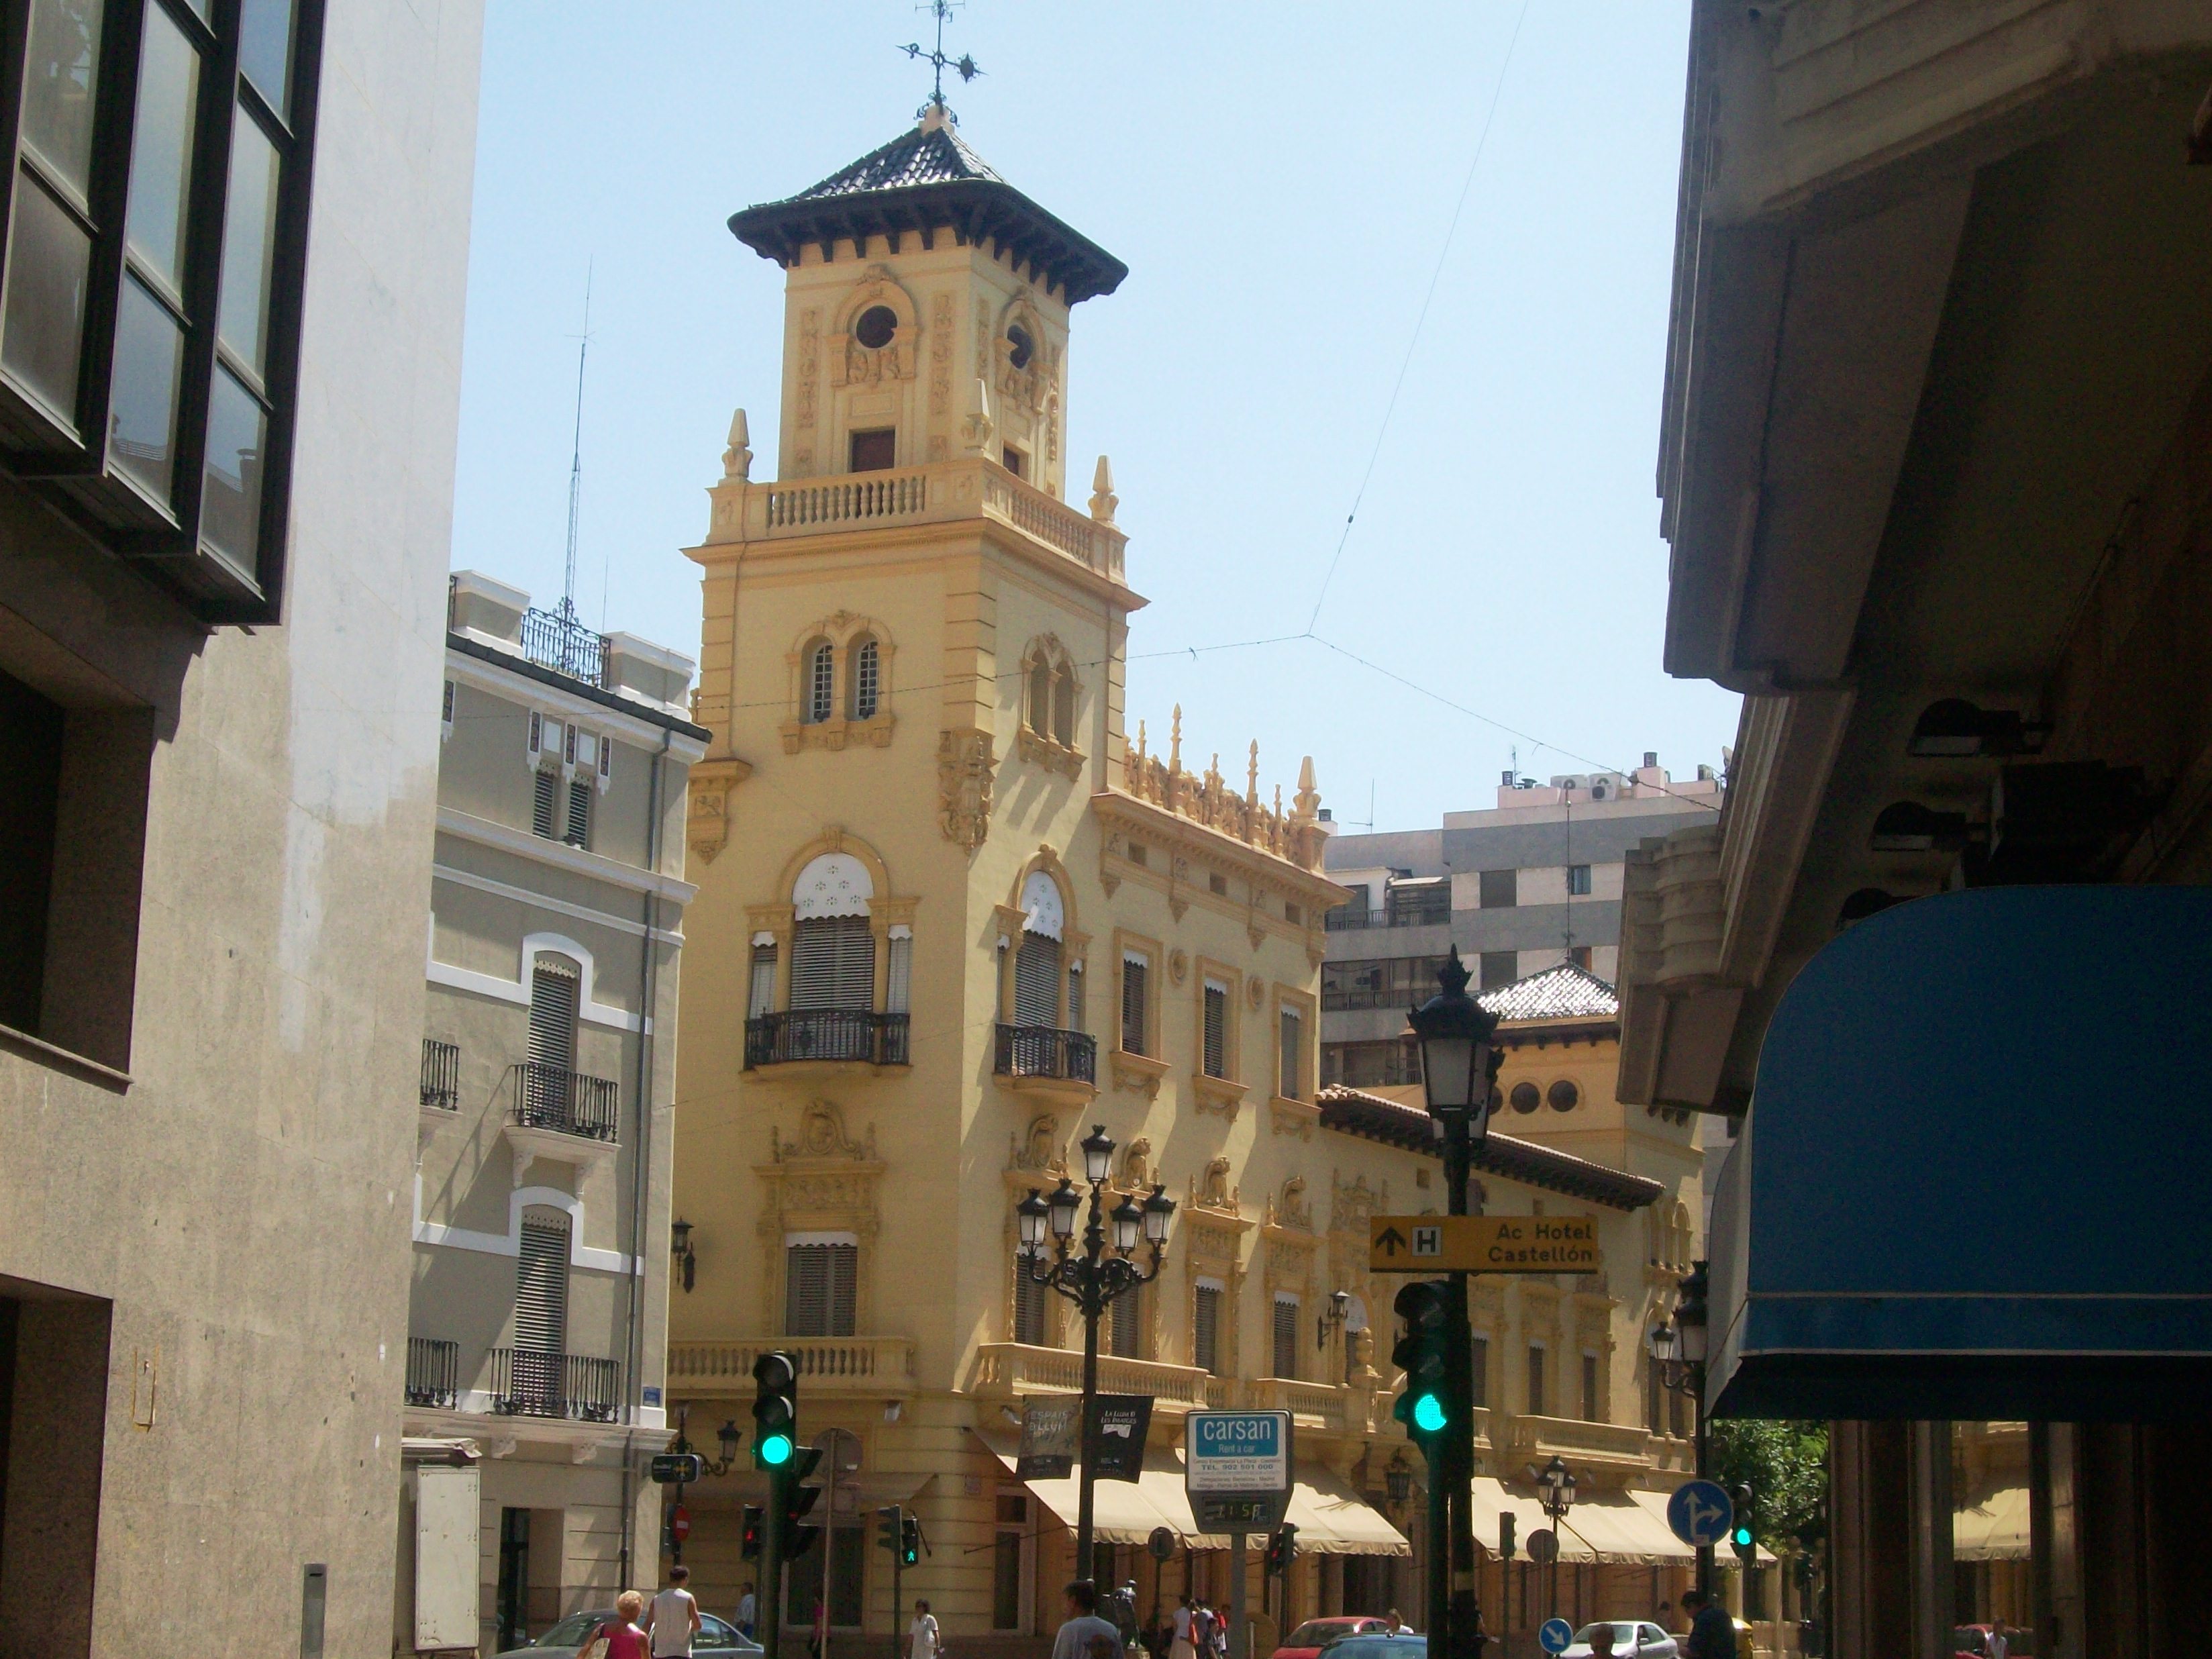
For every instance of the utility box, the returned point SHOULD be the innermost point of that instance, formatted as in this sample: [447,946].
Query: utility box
[447,1504]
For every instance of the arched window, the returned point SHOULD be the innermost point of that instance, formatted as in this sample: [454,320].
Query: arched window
[866,677]
[833,949]
[1063,706]
[1040,714]
[1036,960]
[549,1078]
[821,682]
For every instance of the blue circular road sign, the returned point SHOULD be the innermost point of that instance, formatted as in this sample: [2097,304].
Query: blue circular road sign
[1700,1513]
[1556,1636]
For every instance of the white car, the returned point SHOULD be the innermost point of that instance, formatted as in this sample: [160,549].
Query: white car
[1633,1638]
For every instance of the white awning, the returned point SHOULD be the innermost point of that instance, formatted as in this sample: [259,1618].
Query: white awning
[1995,1529]
[1627,1528]
[1332,1519]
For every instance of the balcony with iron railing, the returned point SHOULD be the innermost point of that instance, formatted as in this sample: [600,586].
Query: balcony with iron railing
[566,1102]
[434,1373]
[532,1382]
[836,1035]
[1049,1056]
[441,1075]
[557,640]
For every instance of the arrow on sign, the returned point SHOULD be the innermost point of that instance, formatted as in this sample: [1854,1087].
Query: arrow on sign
[1391,1241]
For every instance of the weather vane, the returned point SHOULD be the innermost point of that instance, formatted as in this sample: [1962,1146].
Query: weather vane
[935,57]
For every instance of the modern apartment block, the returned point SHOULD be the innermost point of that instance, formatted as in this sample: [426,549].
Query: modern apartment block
[1520,887]
[541,1220]
[230,328]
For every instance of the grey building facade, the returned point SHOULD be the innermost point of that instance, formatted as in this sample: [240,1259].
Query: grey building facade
[1524,885]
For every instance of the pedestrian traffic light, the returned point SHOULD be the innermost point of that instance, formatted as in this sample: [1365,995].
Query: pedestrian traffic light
[891,1526]
[1745,1536]
[755,1520]
[909,1550]
[1508,1524]
[1281,1548]
[1425,1406]
[798,1498]
[775,1410]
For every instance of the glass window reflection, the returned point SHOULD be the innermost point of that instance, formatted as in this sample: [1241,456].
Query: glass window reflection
[161,150]
[249,243]
[149,350]
[58,86]
[265,52]
[230,503]
[42,337]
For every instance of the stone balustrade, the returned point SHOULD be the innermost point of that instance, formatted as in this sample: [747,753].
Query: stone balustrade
[859,1365]
[1008,1369]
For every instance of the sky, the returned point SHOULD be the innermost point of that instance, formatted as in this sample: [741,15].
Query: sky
[1305,327]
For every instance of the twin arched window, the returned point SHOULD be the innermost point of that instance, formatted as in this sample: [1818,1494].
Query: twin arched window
[821,682]
[864,681]
[866,677]
[1051,710]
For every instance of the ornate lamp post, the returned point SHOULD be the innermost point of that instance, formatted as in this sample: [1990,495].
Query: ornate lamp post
[1092,1278]
[1677,1351]
[1555,1485]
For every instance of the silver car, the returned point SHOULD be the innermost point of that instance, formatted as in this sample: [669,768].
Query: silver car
[1633,1638]
[718,1638]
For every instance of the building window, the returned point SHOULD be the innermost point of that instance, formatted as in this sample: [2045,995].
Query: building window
[1063,707]
[1479,1369]
[760,997]
[1073,1014]
[1049,701]
[833,964]
[555,983]
[1006,1575]
[545,803]
[1136,972]
[875,450]
[1591,1411]
[1500,888]
[1293,1060]
[1029,1303]
[821,682]
[1535,1380]
[867,678]
[1524,1097]
[1037,980]
[821,1275]
[877,327]
[1579,955]
[899,972]
[1206,1327]
[1564,1095]
[446,713]
[579,830]
[1123,1332]
[1499,968]
[1217,884]
[1216,1056]
[1011,458]
[1578,882]
[1286,1335]
[150,338]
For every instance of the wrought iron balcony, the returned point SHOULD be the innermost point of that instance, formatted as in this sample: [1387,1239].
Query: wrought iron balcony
[547,1097]
[441,1074]
[532,1382]
[558,641]
[831,1034]
[434,1372]
[1345,919]
[1046,1051]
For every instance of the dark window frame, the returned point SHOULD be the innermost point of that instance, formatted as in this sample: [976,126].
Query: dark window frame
[73,464]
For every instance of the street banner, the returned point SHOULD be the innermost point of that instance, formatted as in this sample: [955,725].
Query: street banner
[1123,1421]
[1484,1244]
[1052,1436]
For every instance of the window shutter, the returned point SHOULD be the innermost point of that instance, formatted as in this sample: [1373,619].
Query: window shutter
[536,732]
[1207,1330]
[898,975]
[1287,1336]
[554,985]
[541,812]
[1537,1382]
[820,1281]
[1590,1388]
[1063,707]
[1074,1013]
[1126,1309]
[1037,980]
[1293,1084]
[1028,1305]
[541,1285]
[1134,971]
[445,717]
[1217,1029]
[762,998]
[579,813]
[833,964]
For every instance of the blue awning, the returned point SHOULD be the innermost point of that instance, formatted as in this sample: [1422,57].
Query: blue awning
[1972,1182]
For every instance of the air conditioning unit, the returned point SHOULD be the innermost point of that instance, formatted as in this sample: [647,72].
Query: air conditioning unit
[1604,785]
[1570,782]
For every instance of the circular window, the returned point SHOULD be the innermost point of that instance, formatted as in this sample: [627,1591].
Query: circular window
[1525,1097]
[1564,1096]
[1022,347]
[876,325]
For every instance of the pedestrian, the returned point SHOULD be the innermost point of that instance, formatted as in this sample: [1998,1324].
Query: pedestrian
[1180,1644]
[1998,1646]
[1665,1619]
[673,1619]
[748,1611]
[1203,1624]
[1600,1642]
[1712,1633]
[1074,1638]
[1392,1624]
[619,1637]
[922,1638]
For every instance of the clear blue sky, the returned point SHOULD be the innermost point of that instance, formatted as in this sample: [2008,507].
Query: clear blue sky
[1279,180]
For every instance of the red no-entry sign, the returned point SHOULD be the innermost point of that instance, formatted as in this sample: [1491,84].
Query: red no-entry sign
[679,1525]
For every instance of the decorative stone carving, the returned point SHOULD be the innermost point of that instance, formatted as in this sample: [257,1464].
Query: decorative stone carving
[1178,966]
[810,369]
[821,1134]
[1103,500]
[963,787]
[1294,1209]
[1255,992]
[940,359]
[737,459]
[708,823]
[1352,1205]
[1037,1151]
[1212,1190]
[1137,1163]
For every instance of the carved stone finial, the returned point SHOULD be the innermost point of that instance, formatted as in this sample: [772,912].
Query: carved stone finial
[737,459]
[975,431]
[1140,740]
[1103,500]
[1175,741]
[1307,804]
[1278,800]
[1252,776]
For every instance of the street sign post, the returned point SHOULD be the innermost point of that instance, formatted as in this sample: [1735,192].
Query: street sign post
[1237,1474]
[678,1468]
[1484,1244]
[1556,1636]
[1700,1513]
[1543,1546]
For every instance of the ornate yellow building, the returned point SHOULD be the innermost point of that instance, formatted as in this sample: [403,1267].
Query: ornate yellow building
[950,915]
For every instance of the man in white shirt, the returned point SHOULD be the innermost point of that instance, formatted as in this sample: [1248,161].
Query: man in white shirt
[673,1618]
[1085,1626]
[748,1610]
[1181,1646]
[922,1635]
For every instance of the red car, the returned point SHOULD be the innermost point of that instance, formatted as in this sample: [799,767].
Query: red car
[1307,1641]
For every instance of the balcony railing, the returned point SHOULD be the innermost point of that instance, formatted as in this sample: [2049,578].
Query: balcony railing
[434,1372]
[1367,996]
[441,1074]
[557,640]
[1008,1369]
[530,1383]
[547,1097]
[850,1034]
[857,1364]
[1046,1051]
[1316,1403]
[1345,919]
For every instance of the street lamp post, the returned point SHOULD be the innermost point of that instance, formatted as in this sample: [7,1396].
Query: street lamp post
[1459,1063]
[1555,1482]
[1092,1278]
[1678,1349]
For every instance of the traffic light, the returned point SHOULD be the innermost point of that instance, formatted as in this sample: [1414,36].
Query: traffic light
[798,1499]
[755,1521]
[1425,1406]
[775,1410]
[890,1527]
[1508,1524]
[909,1549]
[1281,1548]
[1745,1536]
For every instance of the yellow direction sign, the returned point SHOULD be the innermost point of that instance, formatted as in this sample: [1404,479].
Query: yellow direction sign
[1484,1244]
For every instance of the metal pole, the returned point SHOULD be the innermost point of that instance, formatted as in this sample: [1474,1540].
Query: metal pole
[1462,1631]
[828,1539]
[771,1610]
[1705,1551]
[1094,1241]
[898,1571]
[1240,1626]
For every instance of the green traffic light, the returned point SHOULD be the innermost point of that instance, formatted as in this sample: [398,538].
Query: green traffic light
[1429,1413]
[1743,1537]
[775,1450]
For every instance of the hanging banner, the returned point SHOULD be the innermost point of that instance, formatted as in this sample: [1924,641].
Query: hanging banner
[1052,1436]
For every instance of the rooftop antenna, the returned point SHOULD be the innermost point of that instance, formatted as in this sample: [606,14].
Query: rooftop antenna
[576,462]
[965,66]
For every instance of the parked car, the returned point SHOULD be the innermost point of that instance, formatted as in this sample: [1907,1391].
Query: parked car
[1377,1645]
[717,1640]
[1633,1638]
[1973,1641]
[1307,1641]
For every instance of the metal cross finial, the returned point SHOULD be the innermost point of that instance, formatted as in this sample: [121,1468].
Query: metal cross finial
[966,66]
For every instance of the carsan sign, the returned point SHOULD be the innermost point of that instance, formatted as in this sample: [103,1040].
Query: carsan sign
[1484,1244]
[1242,1452]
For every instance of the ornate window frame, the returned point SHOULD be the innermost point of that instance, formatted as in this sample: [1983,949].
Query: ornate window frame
[822,1182]
[1044,744]
[1140,1073]
[1011,919]
[1218,1094]
[890,915]
[853,364]
[842,631]
[1294,1115]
